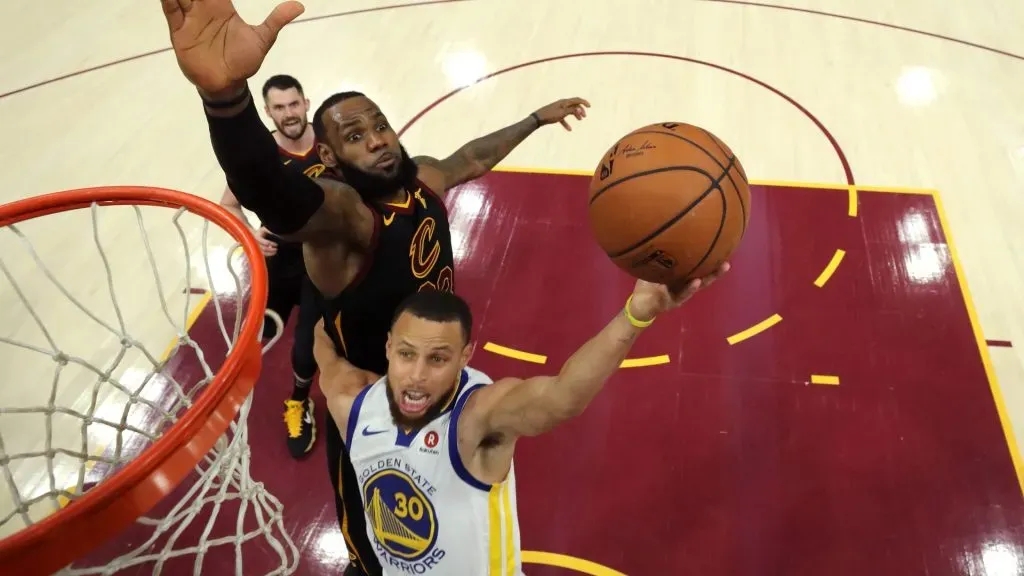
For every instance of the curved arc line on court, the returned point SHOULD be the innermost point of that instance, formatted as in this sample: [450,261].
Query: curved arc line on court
[847,170]
[125,59]
[568,562]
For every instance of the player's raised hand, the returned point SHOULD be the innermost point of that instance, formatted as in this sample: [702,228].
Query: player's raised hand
[560,110]
[651,299]
[215,48]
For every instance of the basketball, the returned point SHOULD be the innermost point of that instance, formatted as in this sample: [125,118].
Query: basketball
[669,202]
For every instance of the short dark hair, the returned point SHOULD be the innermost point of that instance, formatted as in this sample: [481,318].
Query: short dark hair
[281,82]
[437,306]
[319,130]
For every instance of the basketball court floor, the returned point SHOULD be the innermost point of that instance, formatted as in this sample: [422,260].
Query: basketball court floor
[848,400]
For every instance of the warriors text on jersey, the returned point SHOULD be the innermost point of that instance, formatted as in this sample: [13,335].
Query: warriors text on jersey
[288,259]
[426,514]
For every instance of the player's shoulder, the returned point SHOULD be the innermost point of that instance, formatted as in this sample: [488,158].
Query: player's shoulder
[474,377]
[430,174]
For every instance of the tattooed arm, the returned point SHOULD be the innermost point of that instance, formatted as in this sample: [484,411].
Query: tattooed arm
[479,156]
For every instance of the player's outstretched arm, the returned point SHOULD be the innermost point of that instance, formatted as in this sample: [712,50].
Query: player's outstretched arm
[479,156]
[218,52]
[514,407]
[340,381]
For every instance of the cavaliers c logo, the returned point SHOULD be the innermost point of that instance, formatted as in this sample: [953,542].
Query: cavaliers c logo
[422,260]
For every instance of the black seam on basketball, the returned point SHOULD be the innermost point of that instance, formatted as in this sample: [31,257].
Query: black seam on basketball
[718,234]
[644,173]
[743,206]
[715,183]
[732,159]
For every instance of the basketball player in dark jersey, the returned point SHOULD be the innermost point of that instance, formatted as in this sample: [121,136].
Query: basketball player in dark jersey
[372,234]
[289,285]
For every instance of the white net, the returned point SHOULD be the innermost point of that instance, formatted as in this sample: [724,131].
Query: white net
[98,362]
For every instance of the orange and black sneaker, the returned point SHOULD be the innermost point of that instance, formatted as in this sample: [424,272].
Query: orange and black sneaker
[300,420]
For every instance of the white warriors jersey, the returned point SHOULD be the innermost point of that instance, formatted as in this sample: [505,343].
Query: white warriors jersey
[425,513]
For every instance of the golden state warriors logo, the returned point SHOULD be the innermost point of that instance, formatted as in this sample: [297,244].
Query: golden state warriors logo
[403,521]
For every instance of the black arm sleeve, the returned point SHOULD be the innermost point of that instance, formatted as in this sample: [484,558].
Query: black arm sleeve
[284,199]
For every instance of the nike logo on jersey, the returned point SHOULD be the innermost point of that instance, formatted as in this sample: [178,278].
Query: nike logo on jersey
[368,432]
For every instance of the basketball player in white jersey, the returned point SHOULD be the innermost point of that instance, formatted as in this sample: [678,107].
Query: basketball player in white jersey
[432,441]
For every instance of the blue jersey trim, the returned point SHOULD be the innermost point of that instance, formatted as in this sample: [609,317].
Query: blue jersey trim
[453,442]
[353,416]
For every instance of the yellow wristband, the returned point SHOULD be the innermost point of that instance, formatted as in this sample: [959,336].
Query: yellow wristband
[636,323]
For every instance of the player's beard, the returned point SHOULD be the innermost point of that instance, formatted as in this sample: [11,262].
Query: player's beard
[286,129]
[404,421]
[374,187]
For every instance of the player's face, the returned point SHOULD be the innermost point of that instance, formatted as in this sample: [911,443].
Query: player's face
[362,138]
[289,110]
[425,362]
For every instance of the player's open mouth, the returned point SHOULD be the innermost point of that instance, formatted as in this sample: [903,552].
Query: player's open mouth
[413,402]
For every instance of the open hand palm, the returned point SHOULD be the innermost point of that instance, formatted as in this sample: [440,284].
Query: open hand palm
[215,48]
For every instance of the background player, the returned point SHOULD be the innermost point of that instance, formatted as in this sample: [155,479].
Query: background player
[432,443]
[286,104]
[367,245]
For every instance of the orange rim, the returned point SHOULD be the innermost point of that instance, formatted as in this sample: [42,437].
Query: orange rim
[104,511]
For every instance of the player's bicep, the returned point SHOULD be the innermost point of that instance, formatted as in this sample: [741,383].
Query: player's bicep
[448,173]
[515,407]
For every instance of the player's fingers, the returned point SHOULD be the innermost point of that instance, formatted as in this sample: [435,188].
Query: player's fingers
[279,18]
[565,124]
[174,12]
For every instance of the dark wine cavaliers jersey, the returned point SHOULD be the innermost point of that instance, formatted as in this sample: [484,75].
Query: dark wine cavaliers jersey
[411,250]
[288,260]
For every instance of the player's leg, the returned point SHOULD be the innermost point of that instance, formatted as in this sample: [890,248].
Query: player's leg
[299,409]
[281,296]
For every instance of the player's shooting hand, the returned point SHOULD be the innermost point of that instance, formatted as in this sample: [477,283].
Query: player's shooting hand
[217,50]
[651,299]
[562,109]
[267,246]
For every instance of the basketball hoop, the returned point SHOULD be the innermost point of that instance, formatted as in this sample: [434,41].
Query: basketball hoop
[73,495]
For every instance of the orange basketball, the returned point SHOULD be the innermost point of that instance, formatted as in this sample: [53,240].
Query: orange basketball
[669,202]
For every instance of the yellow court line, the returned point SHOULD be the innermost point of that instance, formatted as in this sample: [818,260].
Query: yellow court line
[852,190]
[62,500]
[898,190]
[851,203]
[979,339]
[824,379]
[795,184]
[557,171]
[755,329]
[830,269]
[513,353]
[568,562]
[648,361]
